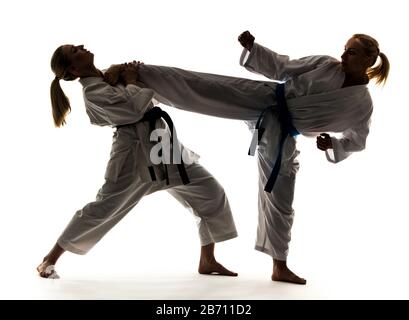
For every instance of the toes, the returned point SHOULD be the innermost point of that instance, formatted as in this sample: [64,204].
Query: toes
[297,279]
[231,274]
[216,269]
[222,271]
[290,279]
[40,268]
[48,272]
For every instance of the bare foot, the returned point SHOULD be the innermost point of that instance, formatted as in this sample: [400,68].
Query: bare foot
[282,273]
[46,270]
[214,268]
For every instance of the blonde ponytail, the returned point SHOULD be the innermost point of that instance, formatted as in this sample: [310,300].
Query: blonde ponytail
[381,71]
[59,102]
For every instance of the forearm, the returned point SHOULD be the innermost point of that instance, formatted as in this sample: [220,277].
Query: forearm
[264,61]
[343,148]
[131,80]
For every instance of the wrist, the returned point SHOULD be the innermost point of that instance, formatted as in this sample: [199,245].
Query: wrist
[131,81]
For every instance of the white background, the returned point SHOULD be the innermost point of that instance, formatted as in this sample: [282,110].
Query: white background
[350,233]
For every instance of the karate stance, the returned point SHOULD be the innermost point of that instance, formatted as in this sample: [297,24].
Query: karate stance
[320,94]
[132,172]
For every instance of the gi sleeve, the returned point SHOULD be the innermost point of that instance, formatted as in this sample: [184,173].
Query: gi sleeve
[352,140]
[275,66]
[119,105]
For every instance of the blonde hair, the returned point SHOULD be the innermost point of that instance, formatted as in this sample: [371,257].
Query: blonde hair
[371,47]
[59,101]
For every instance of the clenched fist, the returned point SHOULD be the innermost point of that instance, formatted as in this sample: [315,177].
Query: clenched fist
[126,73]
[324,142]
[246,39]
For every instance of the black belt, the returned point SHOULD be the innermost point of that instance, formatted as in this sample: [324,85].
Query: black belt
[151,116]
[287,129]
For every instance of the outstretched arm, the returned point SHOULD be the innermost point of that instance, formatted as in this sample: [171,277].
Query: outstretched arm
[261,60]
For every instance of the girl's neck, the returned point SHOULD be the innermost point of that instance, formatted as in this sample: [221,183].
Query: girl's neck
[351,80]
[91,72]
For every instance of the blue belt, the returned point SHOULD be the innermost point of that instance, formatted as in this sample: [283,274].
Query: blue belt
[287,129]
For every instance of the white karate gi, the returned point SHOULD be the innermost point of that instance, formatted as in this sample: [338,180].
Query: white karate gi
[315,99]
[127,175]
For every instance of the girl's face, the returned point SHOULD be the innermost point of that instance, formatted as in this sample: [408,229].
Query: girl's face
[355,62]
[79,58]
